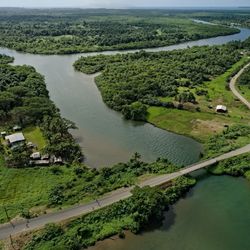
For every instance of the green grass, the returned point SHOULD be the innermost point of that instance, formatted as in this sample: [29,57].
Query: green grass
[26,188]
[201,125]
[34,135]
[245,91]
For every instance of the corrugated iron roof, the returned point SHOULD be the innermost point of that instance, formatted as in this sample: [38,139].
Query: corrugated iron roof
[18,137]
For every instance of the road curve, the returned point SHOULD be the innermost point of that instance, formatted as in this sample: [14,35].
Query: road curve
[232,86]
[23,225]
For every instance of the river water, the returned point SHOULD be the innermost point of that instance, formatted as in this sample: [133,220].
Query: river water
[215,214]
[106,138]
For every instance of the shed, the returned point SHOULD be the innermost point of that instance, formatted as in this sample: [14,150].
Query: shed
[221,109]
[58,160]
[17,128]
[45,157]
[15,138]
[36,156]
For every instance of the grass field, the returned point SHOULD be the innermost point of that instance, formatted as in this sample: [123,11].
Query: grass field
[200,125]
[21,189]
[34,135]
[245,91]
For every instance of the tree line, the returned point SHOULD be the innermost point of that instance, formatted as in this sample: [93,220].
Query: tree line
[66,32]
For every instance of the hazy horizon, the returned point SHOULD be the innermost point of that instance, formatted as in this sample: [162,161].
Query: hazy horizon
[124,4]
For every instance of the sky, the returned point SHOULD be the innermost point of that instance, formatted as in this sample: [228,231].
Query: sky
[123,3]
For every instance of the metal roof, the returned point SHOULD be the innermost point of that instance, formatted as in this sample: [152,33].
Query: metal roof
[18,137]
[221,107]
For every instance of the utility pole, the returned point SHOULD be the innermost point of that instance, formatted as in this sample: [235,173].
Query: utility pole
[7,215]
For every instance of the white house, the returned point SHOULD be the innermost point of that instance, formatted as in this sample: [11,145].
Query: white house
[15,139]
[221,109]
[36,156]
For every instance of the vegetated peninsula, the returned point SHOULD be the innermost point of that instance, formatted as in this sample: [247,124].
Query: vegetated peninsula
[73,31]
[174,90]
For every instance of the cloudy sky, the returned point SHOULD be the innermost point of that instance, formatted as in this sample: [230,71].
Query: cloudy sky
[122,3]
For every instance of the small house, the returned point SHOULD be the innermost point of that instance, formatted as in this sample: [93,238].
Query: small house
[30,145]
[17,128]
[221,109]
[15,139]
[45,157]
[58,160]
[36,156]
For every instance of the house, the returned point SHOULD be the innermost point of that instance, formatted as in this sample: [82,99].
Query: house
[58,160]
[15,139]
[221,109]
[35,156]
[45,157]
[42,162]
[17,128]
[30,145]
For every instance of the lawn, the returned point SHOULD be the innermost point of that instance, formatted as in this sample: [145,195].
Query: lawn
[34,135]
[21,189]
[200,125]
[245,91]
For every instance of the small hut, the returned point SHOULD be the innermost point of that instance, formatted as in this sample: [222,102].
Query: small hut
[221,109]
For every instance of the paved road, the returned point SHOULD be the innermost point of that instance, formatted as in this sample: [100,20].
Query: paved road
[233,88]
[22,225]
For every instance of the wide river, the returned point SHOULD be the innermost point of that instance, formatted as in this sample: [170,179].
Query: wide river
[216,213]
[105,137]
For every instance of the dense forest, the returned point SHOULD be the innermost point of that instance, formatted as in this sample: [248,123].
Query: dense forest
[24,100]
[130,82]
[71,31]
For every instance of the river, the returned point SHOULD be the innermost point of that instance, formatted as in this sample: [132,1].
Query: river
[105,137]
[215,214]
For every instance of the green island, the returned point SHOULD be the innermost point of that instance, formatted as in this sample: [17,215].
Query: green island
[175,90]
[76,30]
